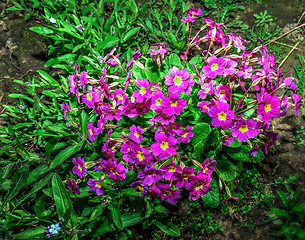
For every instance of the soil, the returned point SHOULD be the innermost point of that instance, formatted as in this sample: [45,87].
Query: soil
[22,52]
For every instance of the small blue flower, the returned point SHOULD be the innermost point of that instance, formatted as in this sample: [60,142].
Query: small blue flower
[55,228]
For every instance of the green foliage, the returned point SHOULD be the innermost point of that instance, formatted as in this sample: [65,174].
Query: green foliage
[288,221]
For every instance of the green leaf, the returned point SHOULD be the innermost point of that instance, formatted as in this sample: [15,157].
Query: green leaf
[35,189]
[61,198]
[283,197]
[299,208]
[116,217]
[42,30]
[279,212]
[109,42]
[174,60]
[212,198]
[168,228]
[201,132]
[298,230]
[160,209]
[226,170]
[152,70]
[64,155]
[48,78]
[103,228]
[36,173]
[130,219]
[31,233]
[18,181]
[15,95]
[130,34]
[85,117]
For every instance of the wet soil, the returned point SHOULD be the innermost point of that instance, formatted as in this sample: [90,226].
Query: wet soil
[22,52]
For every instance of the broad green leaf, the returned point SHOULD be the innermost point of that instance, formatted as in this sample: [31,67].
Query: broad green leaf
[97,212]
[201,132]
[61,198]
[212,198]
[116,217]
[160,209]
[103,228]
[299,208]
[42,30]
[174,60]
[18,181]
[130,34]
[35,189]
[168,228]
[130,219]
[152,70]
[48,78]
[279,212]
[31,233]
[64,155]
[15,95]
[84,118]
[109,42]
[226,170]
[36,173]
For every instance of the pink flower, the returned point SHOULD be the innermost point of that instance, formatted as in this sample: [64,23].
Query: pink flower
[221,115]
[165,146]
[73,185]
[207,167]
[144,92]
[157,99]
[269,106]
[185,135]
[79,168]
[199,186]
[136,133]
[96,185]
[245,129]
[167,193]
[114,170]
[213,68]
[206,89]
[90,98]
[170,169]
[223,92]
[178,80]
[227,140]
[66,108]
[204,105]
[92,132]
[173,105]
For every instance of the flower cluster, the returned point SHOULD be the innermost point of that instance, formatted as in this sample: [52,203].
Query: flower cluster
[153,145]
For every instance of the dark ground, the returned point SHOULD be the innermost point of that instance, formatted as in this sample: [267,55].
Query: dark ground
[22,52]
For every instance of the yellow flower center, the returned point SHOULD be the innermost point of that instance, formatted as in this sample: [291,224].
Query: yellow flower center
[174,103]
[184,134]
[137,134]
[177,80]
[143,90]
[204,169]
[207,90]
[243,128]
[80,167]
[164,145]
[90,131]
[120,96]
[268,108]
[199,185]
[98,184]
[222,92]
[158,101]
[214,66]
[222,116]
[140,156]
[171,169]
[89,96]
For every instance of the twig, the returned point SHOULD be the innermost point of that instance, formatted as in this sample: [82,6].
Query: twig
[301,18]
[287,45]
[284,60]
[273,40]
